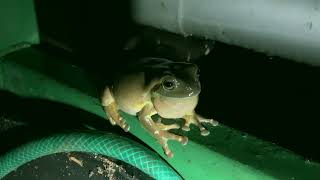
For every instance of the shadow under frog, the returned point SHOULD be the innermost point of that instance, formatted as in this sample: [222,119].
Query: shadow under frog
[157,86]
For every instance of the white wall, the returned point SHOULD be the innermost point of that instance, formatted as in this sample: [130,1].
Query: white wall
[287,28]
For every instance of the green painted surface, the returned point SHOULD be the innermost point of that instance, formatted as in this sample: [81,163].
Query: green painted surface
[226,154]
[18,24]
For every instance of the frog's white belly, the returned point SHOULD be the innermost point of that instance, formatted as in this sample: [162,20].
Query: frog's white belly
[174,107]
[130,95]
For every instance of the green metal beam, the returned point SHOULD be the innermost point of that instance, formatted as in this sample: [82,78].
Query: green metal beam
[226,154]
[18,25]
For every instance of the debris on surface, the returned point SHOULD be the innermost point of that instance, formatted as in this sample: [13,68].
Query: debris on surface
[74,159]
[100,170]
[109,168]
[91,173]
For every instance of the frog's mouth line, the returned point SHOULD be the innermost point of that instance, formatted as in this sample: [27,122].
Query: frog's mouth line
[174,97]
[193,91]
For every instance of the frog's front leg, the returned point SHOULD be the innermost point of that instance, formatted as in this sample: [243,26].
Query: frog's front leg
[111,110]
[159,130]
[196,119]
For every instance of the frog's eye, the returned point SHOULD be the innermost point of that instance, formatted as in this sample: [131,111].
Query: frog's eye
[168,84]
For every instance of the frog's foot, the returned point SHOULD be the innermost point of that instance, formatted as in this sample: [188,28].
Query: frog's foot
[115,117]
[112,112]
[197,120]
[164,136]
[159,130]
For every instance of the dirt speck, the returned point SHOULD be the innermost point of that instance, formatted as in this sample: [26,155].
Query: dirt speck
[90,174]
[100,170]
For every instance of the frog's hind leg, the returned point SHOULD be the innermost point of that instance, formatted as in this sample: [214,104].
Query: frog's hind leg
[111,110]
[197,120]
[159,130]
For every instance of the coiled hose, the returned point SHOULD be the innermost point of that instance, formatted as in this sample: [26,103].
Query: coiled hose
[105,144]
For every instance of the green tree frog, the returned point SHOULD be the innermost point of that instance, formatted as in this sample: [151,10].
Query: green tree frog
[157,86]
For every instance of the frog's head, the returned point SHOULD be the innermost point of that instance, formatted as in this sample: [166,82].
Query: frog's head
[179,80]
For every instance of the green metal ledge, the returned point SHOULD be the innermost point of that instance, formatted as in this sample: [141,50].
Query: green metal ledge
[18,25]
[226,154]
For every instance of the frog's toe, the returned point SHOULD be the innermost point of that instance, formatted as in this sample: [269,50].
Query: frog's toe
[164,143]
[123,124]
[184,140]
[167,151]
[204,131]
[126,128]
[214,122]
[186,128]
[169,154]
[111,121]
[210,121]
